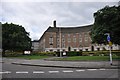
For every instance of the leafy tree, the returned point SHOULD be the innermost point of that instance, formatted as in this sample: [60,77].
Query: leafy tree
[14,38]
[107,20]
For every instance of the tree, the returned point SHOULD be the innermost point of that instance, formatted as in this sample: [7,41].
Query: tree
[107,20]
[15,38]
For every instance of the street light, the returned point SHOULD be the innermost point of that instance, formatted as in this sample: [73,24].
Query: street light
[60,43]
[110,44]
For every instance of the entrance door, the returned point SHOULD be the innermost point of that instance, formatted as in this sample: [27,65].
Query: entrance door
[92,48]
[69,48]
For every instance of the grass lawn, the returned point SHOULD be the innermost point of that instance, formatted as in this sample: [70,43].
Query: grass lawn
[73,58]
[87,58]
[30,57]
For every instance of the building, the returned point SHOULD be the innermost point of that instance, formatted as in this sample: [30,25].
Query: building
[68,39]
[65,38]
[35,45]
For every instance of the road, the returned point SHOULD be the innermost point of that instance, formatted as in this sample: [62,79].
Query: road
[21,71]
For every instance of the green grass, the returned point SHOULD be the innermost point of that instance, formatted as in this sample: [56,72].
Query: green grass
[73,58]
[87,58]
[30,57]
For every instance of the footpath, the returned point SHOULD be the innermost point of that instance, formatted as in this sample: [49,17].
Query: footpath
[68,64]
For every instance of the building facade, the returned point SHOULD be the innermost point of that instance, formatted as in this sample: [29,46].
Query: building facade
[69,39]
[35,45]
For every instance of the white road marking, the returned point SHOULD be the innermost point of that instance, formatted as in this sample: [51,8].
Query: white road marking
[37,72]
[53,71]
[6,72]
[80,70]
[91,69]
[102,69]
[21,72]
[67,71]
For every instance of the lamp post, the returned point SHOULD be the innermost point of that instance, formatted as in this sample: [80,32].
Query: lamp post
[60,44]
[110,44]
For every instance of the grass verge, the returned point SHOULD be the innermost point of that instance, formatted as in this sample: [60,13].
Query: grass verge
[30,57]
[87,58]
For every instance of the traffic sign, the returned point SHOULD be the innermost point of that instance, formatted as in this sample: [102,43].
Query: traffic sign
[110,43]
[108,38]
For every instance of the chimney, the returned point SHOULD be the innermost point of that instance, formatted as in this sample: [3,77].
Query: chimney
[54,23]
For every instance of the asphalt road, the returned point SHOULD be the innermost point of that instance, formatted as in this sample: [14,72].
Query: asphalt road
[21,71]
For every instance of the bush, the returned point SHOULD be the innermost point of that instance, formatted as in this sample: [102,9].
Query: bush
[116,53]
[44,53]
[85,54]
[73,53]
[13,54]
[100,53]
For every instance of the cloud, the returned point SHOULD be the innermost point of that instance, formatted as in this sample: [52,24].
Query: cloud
[36,17]
[60,0]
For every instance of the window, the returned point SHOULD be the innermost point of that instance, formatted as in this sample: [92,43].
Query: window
[74,35]
[50,39]
[51,46]
[63,45]
[63,40]
[58,45]
[80,39]
[86,38]
[58,40]
[69,39]
[63,35]
[80,35]
[68,35]
[58,36]
[74,38]
[86,35]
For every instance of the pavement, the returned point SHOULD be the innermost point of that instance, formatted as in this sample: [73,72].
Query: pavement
[68,64]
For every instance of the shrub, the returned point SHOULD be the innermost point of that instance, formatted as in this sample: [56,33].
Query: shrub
[13,54]
[44,53]
[73,53]
[70,53]
[100,53]
[85,54]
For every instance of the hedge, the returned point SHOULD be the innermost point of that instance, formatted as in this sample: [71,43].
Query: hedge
[13,54]
[71,53]
[100,53]
[44,53]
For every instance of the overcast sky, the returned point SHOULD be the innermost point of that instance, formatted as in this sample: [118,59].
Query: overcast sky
[37,16]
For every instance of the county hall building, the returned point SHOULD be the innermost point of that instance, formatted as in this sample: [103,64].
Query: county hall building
[57,38]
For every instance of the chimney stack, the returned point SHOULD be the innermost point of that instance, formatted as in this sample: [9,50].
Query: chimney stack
[54,23]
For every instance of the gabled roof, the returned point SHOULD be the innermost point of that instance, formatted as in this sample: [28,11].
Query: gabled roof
[70,29]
